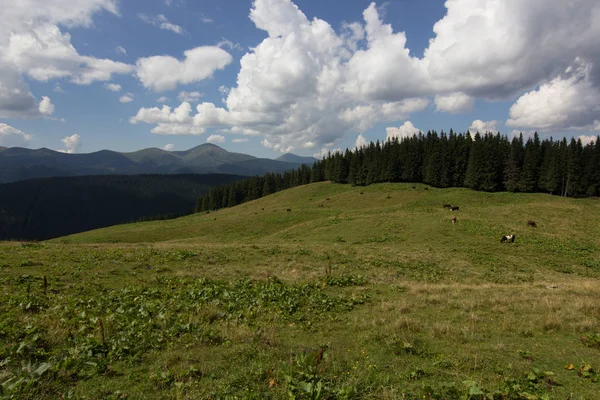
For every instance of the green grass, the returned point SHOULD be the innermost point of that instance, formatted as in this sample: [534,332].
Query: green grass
[373,295]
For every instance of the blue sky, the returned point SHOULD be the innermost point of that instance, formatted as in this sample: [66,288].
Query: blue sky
[270,76]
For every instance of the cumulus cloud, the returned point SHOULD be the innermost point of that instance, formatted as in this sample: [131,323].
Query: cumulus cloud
[121,50]
[126,98]
[360,142]
[155,115]
[113,87]
[46,107]
[10,136]
[72,144]
[168,147]
[325,152]
[571,100]
[161,73]
[405,130]
[162,99]
[306,85]
[160,21]
[240,140]
[453,103]
[16,101]
[587,139]
[483,126]
[189,96]
[44,53]
[215,139]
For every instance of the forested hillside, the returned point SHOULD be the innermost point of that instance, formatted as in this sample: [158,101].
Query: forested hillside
[45,208]
[489,162]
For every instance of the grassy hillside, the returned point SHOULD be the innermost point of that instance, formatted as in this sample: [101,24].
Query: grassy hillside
[348,295]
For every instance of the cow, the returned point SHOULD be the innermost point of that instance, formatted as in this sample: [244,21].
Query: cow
[532,223]
[453,220]
[455,208]
[448,206]
[289,209]
[508,238]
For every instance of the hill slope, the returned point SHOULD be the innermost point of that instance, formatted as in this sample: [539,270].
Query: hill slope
[365,292]
[355,217]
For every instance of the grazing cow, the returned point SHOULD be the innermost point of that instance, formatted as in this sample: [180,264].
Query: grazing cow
[321,206]
[361,192]
[289,209]
[453,220]
[508,238]
[532,223]
[448,206]
[455,208]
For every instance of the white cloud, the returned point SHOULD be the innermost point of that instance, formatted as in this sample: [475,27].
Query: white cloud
[189,96]
[242,140]
[587,139]
[44,53]
[483,127]
[121,50]
[113,87]
[16,101]
[405,130]
[162,99]
[571,100]
[306,83]
[177,129]
[360,142]
[126,98]
[160,21]
[230,45]
[168,147]
[215,139]
[454,103]
[325,152]
[161,73]
[46,107]
[72,144]
[205,19]
[155,115]
[10,136]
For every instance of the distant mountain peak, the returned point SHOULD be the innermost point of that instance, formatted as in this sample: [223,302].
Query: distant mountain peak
[292,158]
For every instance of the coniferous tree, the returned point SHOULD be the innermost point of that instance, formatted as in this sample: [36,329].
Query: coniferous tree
[531,163]
[512,171]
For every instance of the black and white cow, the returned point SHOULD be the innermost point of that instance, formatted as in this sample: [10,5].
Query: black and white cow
[508,238]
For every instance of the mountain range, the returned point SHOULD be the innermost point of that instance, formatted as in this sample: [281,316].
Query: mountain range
[17,163]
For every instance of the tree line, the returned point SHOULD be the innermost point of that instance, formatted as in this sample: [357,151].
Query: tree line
[489,162]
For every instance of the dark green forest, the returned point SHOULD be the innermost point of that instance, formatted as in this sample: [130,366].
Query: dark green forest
[488,162]
[44,208]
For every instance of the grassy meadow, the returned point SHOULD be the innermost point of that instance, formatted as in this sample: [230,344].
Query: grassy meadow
[354,293]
